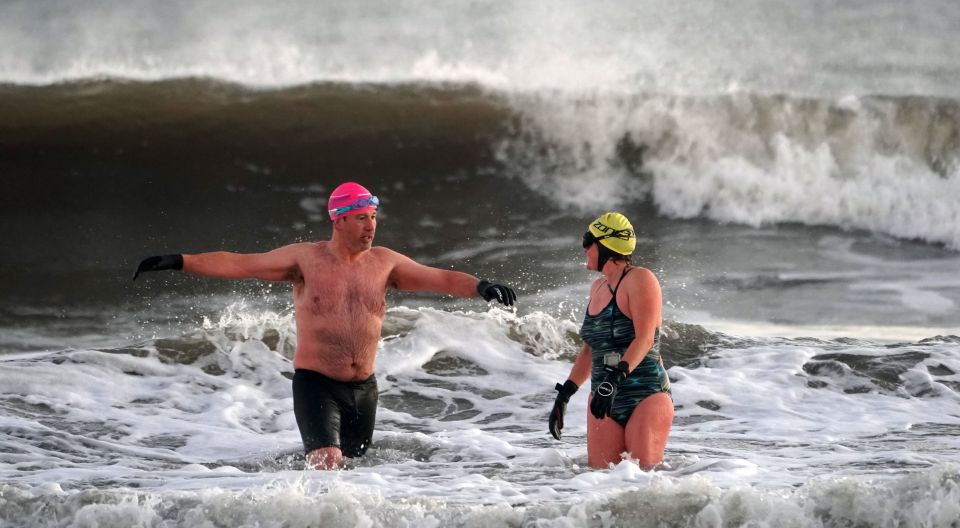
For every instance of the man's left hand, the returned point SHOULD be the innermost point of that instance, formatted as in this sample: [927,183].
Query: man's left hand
[490,290]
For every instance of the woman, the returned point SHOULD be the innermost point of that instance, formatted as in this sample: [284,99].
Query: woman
[630,405]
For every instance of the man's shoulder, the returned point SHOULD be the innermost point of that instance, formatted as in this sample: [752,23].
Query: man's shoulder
[389,257]
[384,252]
[305,246]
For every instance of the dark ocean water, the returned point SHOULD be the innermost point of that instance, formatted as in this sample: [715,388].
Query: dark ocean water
[101,173]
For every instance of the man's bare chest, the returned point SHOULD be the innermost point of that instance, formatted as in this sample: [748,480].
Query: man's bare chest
[337,287]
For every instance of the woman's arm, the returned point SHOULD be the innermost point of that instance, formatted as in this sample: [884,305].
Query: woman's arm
[644,308]
[580,372]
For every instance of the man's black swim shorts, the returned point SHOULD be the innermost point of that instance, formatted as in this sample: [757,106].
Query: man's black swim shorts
[333,413]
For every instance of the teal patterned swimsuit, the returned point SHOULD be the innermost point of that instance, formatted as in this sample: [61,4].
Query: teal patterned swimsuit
[612,331]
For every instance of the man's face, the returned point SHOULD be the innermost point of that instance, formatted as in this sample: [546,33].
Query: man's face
[357,230]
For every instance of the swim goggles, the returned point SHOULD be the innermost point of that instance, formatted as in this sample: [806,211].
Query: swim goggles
[623,234]
[359,204]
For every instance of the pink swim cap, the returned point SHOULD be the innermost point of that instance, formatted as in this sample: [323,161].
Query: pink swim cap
[351,198]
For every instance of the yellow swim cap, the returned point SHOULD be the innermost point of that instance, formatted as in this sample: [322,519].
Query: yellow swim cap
[615,232]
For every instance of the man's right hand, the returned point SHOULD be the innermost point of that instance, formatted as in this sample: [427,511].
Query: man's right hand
[159,263]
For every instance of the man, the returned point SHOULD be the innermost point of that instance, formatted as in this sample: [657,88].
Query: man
[339,295]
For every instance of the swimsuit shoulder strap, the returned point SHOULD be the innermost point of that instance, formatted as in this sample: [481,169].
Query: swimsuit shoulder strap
[619,282]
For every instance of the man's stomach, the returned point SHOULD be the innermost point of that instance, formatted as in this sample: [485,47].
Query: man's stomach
[338,354]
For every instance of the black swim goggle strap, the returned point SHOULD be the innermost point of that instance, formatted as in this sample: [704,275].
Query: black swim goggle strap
[623,234]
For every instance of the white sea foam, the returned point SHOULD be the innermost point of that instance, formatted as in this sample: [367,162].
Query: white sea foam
[742,159]
[926,499]
[131,437]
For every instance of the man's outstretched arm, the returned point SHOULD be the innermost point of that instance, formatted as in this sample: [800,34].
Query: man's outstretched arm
[279,264]
[409,275]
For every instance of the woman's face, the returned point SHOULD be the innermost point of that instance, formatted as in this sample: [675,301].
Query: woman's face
[592,254]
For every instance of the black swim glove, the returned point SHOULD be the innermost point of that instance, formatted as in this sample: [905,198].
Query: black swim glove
[560,406]
[606,391]
[489,290]
[159,263]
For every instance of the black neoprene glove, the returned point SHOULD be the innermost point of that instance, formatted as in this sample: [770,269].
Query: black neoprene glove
[159,263]
[560,406]
[606,391]
[489,290]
